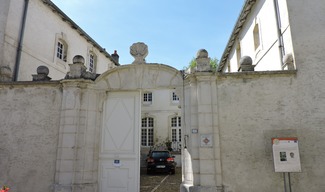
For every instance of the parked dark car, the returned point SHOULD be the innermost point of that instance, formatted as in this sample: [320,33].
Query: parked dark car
[160,161]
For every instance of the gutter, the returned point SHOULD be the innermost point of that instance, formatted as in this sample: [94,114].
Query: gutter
[20,41]
[280,37]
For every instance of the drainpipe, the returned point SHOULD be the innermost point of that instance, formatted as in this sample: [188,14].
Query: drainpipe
[280,37]
[20,41]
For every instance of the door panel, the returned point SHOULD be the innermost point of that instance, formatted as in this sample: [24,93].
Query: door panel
[120,148]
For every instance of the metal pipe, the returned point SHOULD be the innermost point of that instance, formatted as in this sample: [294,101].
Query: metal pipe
[280,37]
[20,41]
[285,182]
[289,182]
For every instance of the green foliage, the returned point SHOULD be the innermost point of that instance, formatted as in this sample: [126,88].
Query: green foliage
[192,63]
[213,62]
[165,145]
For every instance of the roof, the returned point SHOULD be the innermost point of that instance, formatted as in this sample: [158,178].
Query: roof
[78,29]
[238,26]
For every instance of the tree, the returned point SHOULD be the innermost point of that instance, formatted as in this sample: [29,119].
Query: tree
[213,62]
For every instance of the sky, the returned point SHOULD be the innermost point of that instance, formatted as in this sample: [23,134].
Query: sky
[173,30]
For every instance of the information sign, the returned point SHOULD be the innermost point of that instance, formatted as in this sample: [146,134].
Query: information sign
[286,154]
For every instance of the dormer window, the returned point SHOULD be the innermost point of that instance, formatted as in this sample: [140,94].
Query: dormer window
[92,62]
[256,33]
[61,50]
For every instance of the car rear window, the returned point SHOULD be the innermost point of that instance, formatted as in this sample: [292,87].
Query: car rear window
[158,154]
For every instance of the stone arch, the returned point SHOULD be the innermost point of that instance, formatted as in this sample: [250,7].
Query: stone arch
[140,76]
[123,86]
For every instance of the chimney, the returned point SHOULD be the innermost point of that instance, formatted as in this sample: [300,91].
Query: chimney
[115,56]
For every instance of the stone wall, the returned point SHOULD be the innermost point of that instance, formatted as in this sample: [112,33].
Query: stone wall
[29,127]
[252,110]
[239,114]
[255,108]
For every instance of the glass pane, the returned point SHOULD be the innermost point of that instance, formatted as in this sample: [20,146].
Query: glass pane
[179,121]
[179,135]
[60,50]
[144,122]
[147,97]
[150,122]
[150,137]
[144,137]
[175,98]
[91,63]
[174,122]
[174,135]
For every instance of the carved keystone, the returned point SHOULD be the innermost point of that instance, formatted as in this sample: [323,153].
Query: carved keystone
[139,51]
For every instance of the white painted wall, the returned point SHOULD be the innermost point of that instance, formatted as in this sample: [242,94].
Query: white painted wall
[266,57]
[43,28]
[162,109]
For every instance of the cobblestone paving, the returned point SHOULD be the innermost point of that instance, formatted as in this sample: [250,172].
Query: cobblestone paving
[160,182]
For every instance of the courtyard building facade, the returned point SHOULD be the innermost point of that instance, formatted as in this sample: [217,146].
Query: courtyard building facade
[79,132]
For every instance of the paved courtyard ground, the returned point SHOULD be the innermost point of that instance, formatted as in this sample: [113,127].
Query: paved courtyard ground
[160,182]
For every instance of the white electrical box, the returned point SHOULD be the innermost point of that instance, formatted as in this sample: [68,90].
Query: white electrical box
[286,154]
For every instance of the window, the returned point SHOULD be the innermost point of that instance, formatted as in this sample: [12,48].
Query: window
[176,122]
[228,67]
[175,98]
[256,34]
[176,132]
[92,63]
[147,131]
[61,50]
[238,54]
[147,98]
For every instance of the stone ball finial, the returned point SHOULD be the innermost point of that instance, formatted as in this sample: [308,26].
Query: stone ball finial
[78,59]
[202,53]
[42,74]
[203,61]
[288,61]
[77,68]
[43,70]
[288,58]
[246,60]
[139,51]
[5,74]
[246,63]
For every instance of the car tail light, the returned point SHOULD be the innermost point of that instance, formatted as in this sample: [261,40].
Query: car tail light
[170,159]
[150,160]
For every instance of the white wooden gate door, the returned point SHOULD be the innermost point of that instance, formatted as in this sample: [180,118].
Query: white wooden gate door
[119,157]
